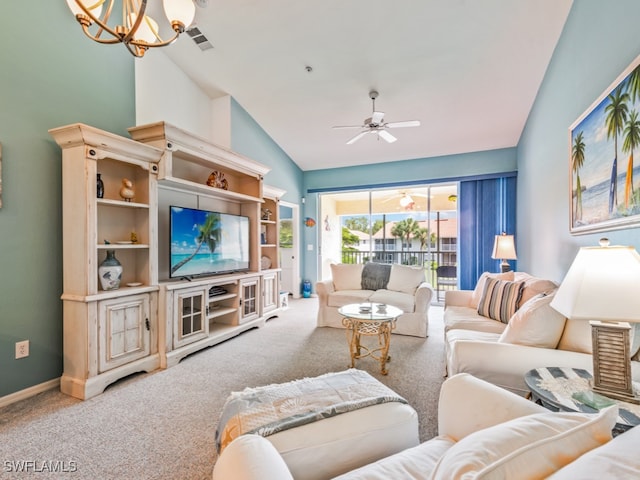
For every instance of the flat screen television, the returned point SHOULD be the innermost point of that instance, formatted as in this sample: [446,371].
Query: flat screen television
[207,243]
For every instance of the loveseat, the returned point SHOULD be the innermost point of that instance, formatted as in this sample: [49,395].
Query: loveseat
[486,338]
[399,285]
[483,432]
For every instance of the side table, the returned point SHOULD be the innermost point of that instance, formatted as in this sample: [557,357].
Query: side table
[553,387]
[369,319]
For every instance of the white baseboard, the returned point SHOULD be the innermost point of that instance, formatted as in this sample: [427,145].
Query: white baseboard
[29,392]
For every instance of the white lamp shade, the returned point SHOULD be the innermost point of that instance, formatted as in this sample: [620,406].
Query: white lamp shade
[504,247]
[94,6]
[603,283]
[184,11]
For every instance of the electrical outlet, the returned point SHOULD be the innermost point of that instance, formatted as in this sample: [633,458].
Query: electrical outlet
[22,349]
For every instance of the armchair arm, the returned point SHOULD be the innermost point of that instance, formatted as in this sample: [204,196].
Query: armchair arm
[468,404]
[250,457]
[423,295]
[459,298]
[323,289]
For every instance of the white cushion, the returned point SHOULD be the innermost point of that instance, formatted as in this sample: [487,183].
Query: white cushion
[617,459]
[467,318]
[533,446]
[403,301]
[404,278]
[535,324]
[346,276]
[345,297]
[412,463]
[479,290]
[265,462]
[533,286]
[576,337]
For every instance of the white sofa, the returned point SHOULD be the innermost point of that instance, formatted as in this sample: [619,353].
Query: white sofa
[501,352]
[483,432]
[405,288]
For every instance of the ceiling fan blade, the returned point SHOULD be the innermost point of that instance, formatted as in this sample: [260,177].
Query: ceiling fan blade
[349,126]
[386,136]
[408,123]
[377,117]
[357,137]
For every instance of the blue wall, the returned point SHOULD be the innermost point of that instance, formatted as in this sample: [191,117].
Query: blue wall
[249,139]
[599,41]
[51,75]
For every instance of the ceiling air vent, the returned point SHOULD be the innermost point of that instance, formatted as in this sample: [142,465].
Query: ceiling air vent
[200,40]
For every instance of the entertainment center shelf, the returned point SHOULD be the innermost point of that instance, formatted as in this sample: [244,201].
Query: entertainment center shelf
[151,320]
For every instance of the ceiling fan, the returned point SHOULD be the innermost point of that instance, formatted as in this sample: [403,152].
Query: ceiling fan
[376,124]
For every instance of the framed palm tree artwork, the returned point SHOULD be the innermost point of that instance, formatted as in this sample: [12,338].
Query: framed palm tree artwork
[604,180]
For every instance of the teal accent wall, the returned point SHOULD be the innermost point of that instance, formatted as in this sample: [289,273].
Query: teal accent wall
[50,75]
[249,139]
[422,170]
[600,39]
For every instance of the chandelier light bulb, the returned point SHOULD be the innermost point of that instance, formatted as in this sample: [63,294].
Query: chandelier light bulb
[180,12]
[94,7]
[138,31]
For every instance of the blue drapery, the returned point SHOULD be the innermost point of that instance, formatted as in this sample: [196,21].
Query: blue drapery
[487,207]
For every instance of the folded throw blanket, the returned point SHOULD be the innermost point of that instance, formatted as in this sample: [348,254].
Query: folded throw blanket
[375,276]
[274,408]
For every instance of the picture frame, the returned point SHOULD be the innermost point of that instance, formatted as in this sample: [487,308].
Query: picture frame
[604,177]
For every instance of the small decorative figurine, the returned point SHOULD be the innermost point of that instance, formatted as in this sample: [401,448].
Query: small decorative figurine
[127,192]
[266,214]
[134,237]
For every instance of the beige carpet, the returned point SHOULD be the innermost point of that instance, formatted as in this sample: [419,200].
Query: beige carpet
[161,425]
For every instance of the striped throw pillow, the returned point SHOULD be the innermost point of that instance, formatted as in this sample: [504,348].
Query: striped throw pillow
[500,299]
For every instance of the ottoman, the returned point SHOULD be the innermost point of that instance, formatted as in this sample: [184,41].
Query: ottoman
[337,422]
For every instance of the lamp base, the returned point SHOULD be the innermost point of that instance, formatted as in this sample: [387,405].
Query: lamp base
[618,396]
[611,361]
[505,267]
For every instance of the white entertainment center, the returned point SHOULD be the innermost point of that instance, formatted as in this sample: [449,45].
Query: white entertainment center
[153,321]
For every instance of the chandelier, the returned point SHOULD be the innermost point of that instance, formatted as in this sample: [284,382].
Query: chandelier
[138,31]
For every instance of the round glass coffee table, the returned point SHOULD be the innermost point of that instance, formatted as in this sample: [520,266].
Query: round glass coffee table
[369,319]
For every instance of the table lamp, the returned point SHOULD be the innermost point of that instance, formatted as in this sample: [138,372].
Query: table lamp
[504,248]
[603,286]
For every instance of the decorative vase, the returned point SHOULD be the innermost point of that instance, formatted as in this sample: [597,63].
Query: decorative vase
[99,187]
[110,271]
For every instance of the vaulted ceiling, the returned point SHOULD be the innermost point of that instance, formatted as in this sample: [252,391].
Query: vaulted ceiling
[468,70]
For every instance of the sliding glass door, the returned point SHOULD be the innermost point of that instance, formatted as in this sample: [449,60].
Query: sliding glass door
[416,225]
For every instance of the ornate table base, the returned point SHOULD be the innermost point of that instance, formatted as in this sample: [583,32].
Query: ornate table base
[370,320]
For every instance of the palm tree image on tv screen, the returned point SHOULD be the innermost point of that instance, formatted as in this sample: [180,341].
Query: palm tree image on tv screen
[207,243]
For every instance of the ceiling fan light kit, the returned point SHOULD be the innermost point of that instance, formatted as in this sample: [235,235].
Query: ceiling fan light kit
[376,125]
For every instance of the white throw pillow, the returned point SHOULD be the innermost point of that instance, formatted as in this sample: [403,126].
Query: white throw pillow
[533,446]
[347,276]
[535,324]
[533,286]
[576,337]
[404,278]
[479,290]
